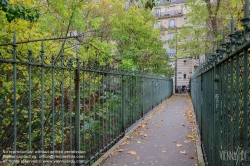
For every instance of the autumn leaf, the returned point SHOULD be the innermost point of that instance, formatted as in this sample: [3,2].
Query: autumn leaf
[131,152]
[143,125]
[128,136]
[175,141]
[163,151]
[191,157]
[145,135]
[178,145]
[120,150]
[112,153]
[135,132]
[125,142]
[183,152]
[190,136]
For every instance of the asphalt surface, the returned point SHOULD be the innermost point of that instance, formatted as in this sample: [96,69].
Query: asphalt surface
[163,139]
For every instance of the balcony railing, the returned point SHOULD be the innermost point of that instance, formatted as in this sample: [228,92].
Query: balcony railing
[169,14]
[171,55]
[172,26]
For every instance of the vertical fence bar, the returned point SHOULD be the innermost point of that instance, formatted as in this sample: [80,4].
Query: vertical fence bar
[216,113]
[77,114]
[70,111]
[30,85]
[85,107]
[142,97]
[94,107]
[123,104]
[103,99]
[53,107]
[42,90]
[99,108]
[62,100]
[237,135]
[246,109]
[15,92]
[231,108]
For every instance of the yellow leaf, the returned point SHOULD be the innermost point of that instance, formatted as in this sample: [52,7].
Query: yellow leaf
[131,152]
[178,145]
[183,152]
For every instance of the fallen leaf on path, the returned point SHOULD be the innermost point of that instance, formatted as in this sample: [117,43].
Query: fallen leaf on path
[128,136]
[138,142]
[164,134]
[131,152]
[135,132]
[143,125]
[183,152]
[175,141]
[126,142]
[190,136]
[163,151]
[178,145]
[191,157]
[141,132]
[156,125]
[183,124]
[145,135]
[120,150]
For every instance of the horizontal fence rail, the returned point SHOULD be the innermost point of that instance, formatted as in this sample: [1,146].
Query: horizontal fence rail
[220,94]
[58,108]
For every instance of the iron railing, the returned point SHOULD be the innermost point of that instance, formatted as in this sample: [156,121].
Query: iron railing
[56,110]
[171,13]
[220,94]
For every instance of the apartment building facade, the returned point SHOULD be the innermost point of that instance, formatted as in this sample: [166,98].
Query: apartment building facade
[171,18]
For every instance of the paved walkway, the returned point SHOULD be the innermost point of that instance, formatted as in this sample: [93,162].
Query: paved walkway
[165,138]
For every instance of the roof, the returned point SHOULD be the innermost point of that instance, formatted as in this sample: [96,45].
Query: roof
[164,2]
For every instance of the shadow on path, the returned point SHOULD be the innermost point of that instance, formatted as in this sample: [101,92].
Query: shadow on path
[165,138]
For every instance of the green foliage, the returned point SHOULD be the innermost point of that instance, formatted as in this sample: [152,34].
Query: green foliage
[106,32]
[205,23]
[16,11]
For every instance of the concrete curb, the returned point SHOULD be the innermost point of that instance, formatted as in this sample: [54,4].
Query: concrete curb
[198,144]
[127,135]
[199,149]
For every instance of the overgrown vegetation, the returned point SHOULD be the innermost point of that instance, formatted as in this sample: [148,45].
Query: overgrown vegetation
[97,36]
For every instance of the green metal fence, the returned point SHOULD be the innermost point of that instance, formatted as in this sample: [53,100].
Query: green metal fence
[220,94]
[64,108]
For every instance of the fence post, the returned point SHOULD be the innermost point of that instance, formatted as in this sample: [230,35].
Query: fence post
[77,114]
[217,106]
[123,104]
[14,53]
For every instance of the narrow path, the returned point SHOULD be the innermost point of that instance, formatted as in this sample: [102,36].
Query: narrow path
[164,139]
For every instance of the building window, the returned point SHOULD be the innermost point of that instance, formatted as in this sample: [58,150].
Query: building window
[171,36]
[157,24]
[172,23]
[184,76]
[185,62]
[171,52]
[172,10]
[158,11]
